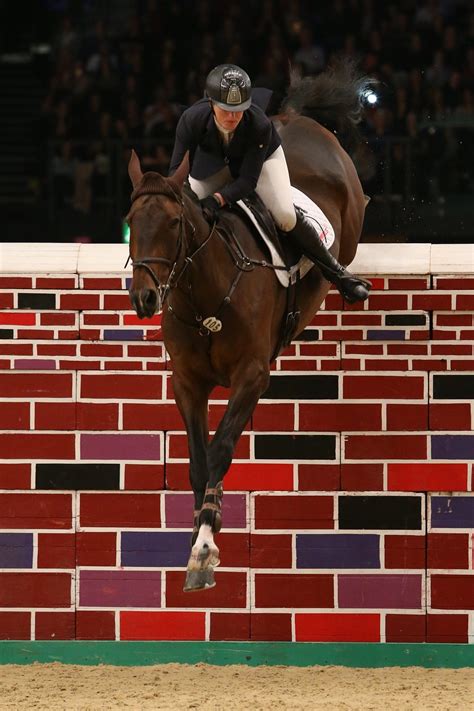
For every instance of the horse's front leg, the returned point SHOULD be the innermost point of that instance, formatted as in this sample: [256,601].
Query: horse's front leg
[247,386]
[192,399]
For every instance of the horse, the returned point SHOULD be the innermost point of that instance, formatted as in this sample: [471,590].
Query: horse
[222,307]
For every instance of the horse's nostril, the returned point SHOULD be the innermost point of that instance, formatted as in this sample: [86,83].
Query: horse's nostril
[150,298]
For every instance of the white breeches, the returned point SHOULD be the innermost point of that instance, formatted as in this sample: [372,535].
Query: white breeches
[273,188]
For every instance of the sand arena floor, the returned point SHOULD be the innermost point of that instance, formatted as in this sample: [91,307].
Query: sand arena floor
[183,686]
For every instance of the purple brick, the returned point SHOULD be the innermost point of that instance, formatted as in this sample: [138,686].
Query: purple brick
[155,549]
[129,334]
[380,591]
[179,510]
[121,446]
[373,335]
[452,511]
[120,588]
[34,364]
[337,551]
[452,446]
[16,550]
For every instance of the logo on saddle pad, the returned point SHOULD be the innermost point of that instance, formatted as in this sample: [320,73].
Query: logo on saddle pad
[212,324]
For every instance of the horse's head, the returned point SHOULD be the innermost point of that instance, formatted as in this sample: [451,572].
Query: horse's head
[156,221]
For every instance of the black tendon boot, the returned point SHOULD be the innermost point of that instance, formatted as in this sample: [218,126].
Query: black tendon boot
[352,288]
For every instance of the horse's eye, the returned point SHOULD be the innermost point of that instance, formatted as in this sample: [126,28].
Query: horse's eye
[174,222]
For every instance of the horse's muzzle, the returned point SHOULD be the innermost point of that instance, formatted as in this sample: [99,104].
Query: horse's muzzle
[146,302]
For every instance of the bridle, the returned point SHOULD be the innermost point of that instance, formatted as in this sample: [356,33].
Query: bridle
[182,244]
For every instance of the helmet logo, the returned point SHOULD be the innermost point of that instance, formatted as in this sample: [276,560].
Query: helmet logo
[231,85]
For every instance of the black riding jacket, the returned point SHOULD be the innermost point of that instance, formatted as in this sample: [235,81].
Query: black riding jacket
[254,140]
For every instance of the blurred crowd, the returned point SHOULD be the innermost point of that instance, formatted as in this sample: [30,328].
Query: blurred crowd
[130,80]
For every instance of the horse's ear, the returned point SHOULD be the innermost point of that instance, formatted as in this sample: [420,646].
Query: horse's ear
[134,169]
[181,173]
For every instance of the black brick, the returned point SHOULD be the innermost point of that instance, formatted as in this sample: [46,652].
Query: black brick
[6,333]
[78,476]
[309,334]
[380,512]
[295,447]
[302,387]
[405,320]
[453,387]
[35,300]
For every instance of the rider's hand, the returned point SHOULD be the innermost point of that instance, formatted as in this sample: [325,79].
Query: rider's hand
[210,207]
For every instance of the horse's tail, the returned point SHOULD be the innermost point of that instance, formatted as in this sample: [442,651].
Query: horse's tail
[333,99]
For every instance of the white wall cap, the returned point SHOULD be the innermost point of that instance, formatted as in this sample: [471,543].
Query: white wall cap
[38,258]
[103,259]
[372,259]
[452,258]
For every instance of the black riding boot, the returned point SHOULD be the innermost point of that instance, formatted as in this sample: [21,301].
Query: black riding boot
[352,288]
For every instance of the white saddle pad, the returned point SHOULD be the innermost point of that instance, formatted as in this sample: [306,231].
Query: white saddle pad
[321,223]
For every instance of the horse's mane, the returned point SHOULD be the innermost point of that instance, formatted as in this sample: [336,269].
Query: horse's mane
[153,183]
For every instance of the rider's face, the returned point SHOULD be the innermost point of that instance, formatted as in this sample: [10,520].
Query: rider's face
[227,119]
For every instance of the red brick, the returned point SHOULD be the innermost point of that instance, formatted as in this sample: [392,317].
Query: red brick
[177,476]
[346,334]
[407,417]
[16,348]
[333,302]
[131,319]
[337,627]
[465,302]
[458,283]
[447,629]
[37,446]
[340,417]
[448,550]
[451,349]
[362,477]
[319,350]
[35,510]
[145,350]
[80,302]
[90,334]
[386,364]
[17,318]
[387,302]
[428,476]
[123,365]
[15,625]
[55,625]
[386,446]
[163,625]
[254,476]
[117,302]
[31,385]
[101,319]
[6,301]
[97,416]
[56,282]
[452,592]
[319,477]
[438,335]
[35,334]
[230,591]
[274,417]
[115,386]
[234,549]
[408,284]
[123,510]
[270,627]
[431,302]
[429,364]
[102,283]
[15,476]
[453,319]
[95,624]
[405,551]
[56,550]
[58,319]
[35,590]
[384,387]
[178,446]
[54,349]
[405,628]
[407,349]
[461,364]
[294,512]
[16,282]
[363,349]
[55,416]
[158,416]
[79,364]
[270,551]
[104,350]
[15,416]
[96,548]
[293,591]
[230,626]
[144,476]
[450,416]
[215,415]
[466,334]
[361,319]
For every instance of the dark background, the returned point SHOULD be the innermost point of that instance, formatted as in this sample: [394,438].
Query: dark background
[83,81]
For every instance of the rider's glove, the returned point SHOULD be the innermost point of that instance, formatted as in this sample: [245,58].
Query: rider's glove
[210,207]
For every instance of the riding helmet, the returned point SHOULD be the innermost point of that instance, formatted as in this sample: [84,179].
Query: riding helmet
[229,86]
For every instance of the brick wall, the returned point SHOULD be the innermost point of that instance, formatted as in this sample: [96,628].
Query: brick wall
[348,511]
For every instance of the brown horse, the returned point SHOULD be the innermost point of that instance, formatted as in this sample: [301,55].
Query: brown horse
[190,271]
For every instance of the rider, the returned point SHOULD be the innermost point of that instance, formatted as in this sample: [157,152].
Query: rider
[235,149]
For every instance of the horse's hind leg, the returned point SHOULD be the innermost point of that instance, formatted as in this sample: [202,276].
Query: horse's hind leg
[192,400]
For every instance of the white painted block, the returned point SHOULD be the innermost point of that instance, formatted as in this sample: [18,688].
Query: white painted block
[452,259]
[38,258]
[392,258]
[103,259]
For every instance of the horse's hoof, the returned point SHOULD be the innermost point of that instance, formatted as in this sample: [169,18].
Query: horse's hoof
[199,580]
[204,557]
